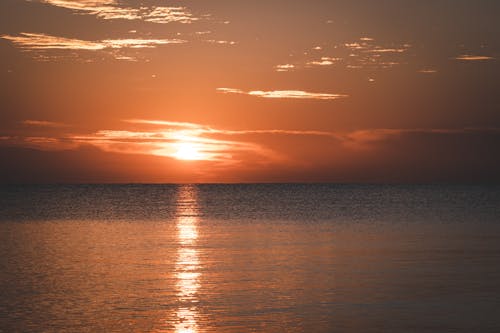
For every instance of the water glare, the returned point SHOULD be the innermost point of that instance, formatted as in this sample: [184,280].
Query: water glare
[187,270]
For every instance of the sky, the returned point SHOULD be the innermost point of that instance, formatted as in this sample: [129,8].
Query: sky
[157,91]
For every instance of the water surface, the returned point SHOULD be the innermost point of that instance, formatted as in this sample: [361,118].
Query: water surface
[249,258]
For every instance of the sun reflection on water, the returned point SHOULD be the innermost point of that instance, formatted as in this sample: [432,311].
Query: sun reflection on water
[188,263]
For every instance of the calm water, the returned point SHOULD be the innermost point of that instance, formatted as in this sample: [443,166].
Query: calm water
[249,258]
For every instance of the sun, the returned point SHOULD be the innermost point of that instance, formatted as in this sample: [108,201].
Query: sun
[188,152]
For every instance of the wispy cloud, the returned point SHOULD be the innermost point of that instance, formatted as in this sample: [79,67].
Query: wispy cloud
[284,68]
[468,57]
[139,43]
[168,138]
[363,138]
[163,143]
[163,123]
[283,94]
[427,71]
[221,42]
[43,123]
[169,14]
[79,4]
[203,129]
[324,61]
[113,10]
[37,41]
[42,42]
[379,50]
[362,53]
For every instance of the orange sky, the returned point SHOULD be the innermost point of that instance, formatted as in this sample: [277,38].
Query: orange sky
[261,91]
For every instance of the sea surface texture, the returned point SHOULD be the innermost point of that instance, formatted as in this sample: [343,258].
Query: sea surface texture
[249,258]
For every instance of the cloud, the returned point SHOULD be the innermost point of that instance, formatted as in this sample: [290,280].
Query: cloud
[165,138]
[368,45]
[221,42]
[169,14]
[113,10]
[104,9]
[362,53]
[377,50]
[284,67]
[361,155]
[468,57]
[356,46]
[172,129]
[425,154]
[167,141]
[42,43]
[373,136]
[43,123]
[283,94]
[139,43]
[324,61]
[163,123]
[203,129]
[80,4]
[37,41]
[428,71]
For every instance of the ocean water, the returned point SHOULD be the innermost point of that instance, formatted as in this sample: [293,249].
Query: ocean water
[249,258]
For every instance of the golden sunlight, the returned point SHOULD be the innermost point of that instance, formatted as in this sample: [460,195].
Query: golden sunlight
[188,264]
[188,151]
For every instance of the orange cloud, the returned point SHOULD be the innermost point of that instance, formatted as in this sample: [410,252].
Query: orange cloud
[169,14]
[358,54]
[43,123]
[169,142]
[285,94]
[366,137]
[324,61]
[186,140]
[112,10]
[37,41]
[42,43]
[468,57]
[284,67]
[221,42]
[202,129]
[377,50]
[427,71]
[167,139]
[163,123]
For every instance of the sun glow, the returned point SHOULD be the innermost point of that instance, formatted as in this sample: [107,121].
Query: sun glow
[188,152]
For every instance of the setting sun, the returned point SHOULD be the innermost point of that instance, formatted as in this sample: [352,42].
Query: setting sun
[188,152]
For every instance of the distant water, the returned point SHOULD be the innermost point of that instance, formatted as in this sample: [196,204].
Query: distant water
[249,258]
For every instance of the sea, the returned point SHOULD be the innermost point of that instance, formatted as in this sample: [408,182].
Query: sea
[195,258]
